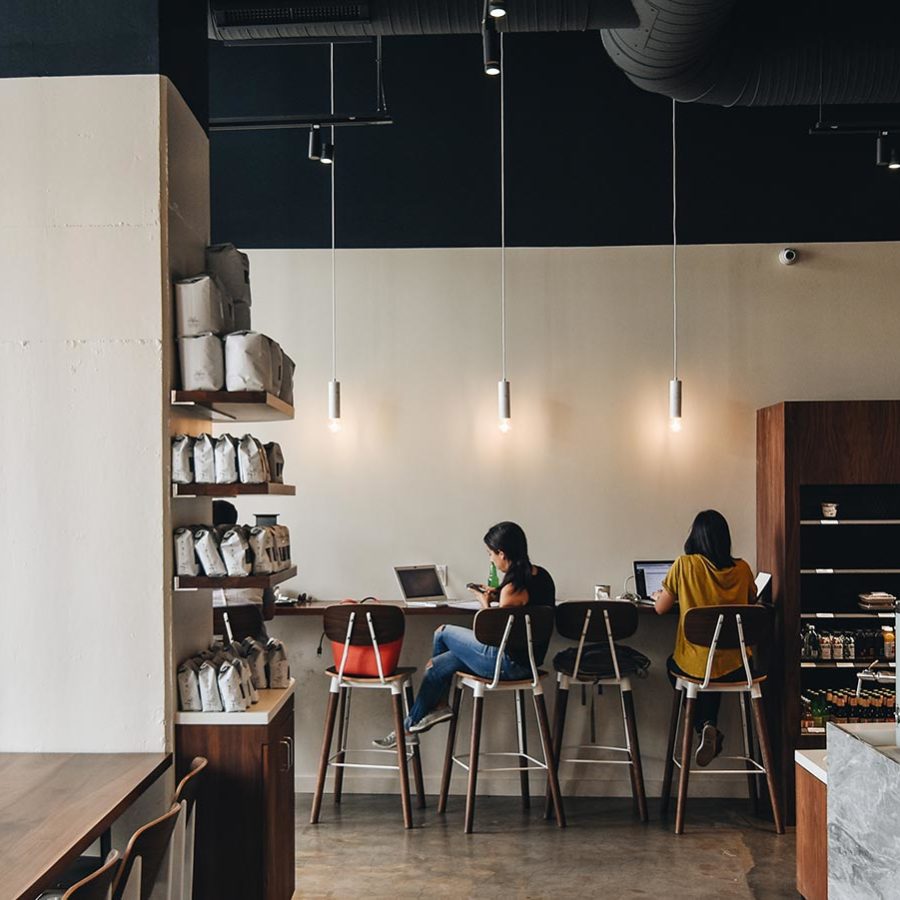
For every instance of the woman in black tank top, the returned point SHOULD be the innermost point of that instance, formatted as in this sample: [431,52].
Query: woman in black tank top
[455,648]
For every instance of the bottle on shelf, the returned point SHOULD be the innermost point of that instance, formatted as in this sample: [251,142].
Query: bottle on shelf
[890,646]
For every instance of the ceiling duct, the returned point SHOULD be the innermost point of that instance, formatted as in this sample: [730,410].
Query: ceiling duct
[233,21]
[732,53]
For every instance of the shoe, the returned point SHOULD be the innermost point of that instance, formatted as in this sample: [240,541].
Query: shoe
[710,745]
[429,720]
[389,741]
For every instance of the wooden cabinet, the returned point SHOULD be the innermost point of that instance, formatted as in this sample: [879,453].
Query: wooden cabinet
[245,814]
[809,453]
[812,836]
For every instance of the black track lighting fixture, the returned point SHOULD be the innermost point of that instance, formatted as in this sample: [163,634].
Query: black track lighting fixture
[886,151]
[497,8]
[315,142]
[327,156]
[491,39]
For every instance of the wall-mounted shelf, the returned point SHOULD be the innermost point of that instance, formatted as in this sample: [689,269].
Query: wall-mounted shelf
[850,571]
[850,521]
[848,615]
[845,664]
[235,406]
[196,582]
[237,489]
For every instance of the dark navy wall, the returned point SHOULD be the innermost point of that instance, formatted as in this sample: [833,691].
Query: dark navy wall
[588,155]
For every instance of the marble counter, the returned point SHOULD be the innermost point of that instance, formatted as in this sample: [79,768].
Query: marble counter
[863,812]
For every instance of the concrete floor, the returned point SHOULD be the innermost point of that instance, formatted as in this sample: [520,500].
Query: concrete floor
[361,850]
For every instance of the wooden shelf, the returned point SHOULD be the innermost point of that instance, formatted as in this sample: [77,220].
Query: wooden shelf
[862,614]
[850,521]
[272,488]
[196,582]
[317,609]
[235,406]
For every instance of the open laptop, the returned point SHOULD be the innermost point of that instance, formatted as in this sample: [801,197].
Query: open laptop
[648,576]
[420,585]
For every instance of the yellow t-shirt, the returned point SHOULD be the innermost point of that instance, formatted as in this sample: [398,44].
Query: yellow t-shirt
[695,581]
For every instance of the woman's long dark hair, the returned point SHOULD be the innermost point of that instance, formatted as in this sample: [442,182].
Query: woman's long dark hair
[507,537]
[710,537]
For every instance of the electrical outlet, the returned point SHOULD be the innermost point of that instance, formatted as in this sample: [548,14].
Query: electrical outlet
[442,574]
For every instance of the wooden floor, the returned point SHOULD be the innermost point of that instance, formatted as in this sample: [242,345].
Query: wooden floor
[361,849]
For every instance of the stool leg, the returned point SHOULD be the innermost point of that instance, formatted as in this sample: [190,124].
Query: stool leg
[330,714]
[523,748]
[547,747]
[637,772]
[762,734]
[687,741]
[559,727]
[342,727]
[416,754]
[474,750]
[451,749]
[401,757]
[677,698]
[748,751]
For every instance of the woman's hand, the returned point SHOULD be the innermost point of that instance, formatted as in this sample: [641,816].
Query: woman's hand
[664,601]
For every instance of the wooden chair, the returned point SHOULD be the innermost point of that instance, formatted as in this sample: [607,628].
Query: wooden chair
[596,621]
[148,861]
[722,628]
[365,625]
[187,792]
[518,629]
[96,886]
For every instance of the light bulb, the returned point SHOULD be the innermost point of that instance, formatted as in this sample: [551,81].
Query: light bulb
[334,425]
[497,8]
[675,424]
[505,425]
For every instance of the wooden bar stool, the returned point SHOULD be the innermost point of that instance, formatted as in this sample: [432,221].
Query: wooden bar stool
[517,629]
[722,628]
[605,622]
[373,627]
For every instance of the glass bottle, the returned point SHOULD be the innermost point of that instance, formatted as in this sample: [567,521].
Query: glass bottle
[849,645]
[825,646]
[890,648]
[493,577]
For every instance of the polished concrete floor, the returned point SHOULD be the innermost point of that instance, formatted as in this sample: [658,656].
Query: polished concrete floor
[361,850]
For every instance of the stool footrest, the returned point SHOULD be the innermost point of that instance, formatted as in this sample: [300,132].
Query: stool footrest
[538,765]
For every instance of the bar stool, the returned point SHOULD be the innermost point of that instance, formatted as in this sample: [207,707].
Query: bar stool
[517,629]
[370,626]
[605,621]
[721,628]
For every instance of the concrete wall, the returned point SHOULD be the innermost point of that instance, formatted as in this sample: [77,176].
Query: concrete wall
[590,469]
[84,371]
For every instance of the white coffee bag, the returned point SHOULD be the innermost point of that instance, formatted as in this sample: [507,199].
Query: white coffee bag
[275,459]
[286,391]
[247,685]
[276,370]
[226,459]
[255,654]
[279,671]
[204,460]
[202,363]
[238,596]
[206,546]
[210,699]
[182,459]
[232,268]
[185,557]
[230,689]
[282,547]
[189,686]
[253,464]
[248,362]
[235,551]
[199,306]
[262,545]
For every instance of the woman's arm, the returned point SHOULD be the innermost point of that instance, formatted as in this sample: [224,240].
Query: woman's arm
[664,601]
[509,596]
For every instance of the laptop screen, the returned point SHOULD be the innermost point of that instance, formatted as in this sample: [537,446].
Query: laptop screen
[419,582]
[649,574]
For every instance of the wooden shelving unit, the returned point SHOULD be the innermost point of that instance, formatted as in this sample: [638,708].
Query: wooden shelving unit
[809,453]
[238,489]
[234,406]
[196,582]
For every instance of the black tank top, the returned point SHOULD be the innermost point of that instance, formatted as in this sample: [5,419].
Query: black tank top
[541,592]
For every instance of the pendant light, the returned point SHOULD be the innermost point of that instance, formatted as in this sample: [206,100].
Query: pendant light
[675,383]
[504,410]
[334,386]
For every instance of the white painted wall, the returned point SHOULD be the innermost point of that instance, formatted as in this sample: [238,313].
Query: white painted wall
[83,368]
[590,469]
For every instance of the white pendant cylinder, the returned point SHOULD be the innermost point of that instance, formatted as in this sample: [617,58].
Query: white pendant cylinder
[504,406]
[334,405]
[675,404]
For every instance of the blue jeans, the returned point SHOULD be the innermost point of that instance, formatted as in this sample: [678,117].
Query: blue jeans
[455,649]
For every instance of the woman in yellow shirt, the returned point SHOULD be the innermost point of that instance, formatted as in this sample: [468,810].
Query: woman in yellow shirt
[707,575]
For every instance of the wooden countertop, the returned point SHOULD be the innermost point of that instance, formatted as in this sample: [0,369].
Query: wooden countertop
[317,608]
[271,701]
[53,806]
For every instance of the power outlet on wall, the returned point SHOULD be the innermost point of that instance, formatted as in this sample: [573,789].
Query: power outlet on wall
[442,574]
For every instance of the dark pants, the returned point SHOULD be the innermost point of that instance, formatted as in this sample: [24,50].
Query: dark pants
[708,702]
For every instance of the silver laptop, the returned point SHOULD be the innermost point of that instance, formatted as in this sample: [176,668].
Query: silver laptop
[648,576]
[420,584]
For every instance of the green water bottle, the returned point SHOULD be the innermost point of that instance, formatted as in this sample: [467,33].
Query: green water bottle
[493,578]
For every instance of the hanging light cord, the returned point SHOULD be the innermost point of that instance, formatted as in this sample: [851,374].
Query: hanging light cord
[333,280]
[674,256]
[502,209]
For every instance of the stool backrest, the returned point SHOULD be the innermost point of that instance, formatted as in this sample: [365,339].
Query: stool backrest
[727,628]
[98,885]
[150,842]
[597,620]
[388,623]
[516,629]
[189,786]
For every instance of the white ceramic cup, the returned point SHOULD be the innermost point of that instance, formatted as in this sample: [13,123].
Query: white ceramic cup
[829,510]
[601,591]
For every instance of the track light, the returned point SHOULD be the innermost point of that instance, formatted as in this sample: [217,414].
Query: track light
[491,40]
[327,156]
[315,142]
[497,8]
[886,151]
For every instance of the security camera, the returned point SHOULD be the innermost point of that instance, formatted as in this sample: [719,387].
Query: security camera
[788,256]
